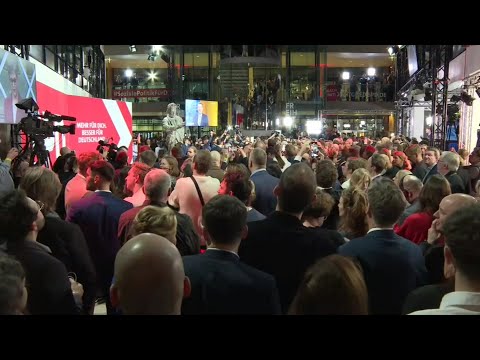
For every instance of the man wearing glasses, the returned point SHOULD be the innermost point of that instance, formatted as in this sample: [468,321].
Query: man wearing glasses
[13,115]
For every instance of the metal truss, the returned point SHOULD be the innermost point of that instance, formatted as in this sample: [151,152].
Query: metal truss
[441,55]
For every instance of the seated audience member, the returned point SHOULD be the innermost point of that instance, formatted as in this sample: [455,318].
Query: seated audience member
[415,227]
[156,220]
[326,177]
[65,240]
[98,216]
[156,186]
[411,187]
[392,265]
[280,245]
[134,183]
[352,209]
[149,277]
[215,171]
[352,164]
[49,289]
[239,185]
[221,284]
[77,187]
[265,201]
[447,166]
[361,179]
[462,256]
[334,285]
[13,293]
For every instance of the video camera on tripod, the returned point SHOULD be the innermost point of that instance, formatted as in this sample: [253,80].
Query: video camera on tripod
[37,127]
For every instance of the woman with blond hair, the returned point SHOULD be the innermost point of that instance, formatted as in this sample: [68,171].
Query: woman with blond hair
[353,213]
[65,240]
[361,178]
[156,220]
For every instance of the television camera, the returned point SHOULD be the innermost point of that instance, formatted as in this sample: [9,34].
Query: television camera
[36,127]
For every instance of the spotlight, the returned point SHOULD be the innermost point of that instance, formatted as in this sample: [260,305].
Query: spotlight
[455,98]
[133,48]
[467,99]
[151,57]
[477,90]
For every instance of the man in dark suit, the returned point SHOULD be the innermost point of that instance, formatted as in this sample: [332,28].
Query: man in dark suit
[265,201]
[156,186]
[447,166]
[98,215]
[392,266]
[220,282]
[431,158]
[200,118]
[280,245]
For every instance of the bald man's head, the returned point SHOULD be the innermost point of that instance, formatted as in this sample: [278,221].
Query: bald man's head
[156,185]
[149,277]
[450,204]
[296,188]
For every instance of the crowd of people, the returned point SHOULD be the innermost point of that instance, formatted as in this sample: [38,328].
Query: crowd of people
[230,225]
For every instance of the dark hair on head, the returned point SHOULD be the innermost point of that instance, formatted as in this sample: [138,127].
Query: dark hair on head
[148,157]
[386,201]
[12,276]
[334,285]
[258,157]
[278,155]
[173,164]
[16,216]
[463,239]
[103,169]
[87,158]
[224,218]
[432,193]
[322,205]
[121,158]
[273,168]
[296,188]
[119,182]
[326,173]
[202,161]
[237,168]
[354,163]
[240,186]
[71,163]
[354,221]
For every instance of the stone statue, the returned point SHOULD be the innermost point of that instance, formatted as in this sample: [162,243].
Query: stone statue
[173,126]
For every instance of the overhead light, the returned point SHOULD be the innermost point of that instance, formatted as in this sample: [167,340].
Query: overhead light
[455,98]
[287,121]
[133,48]
[345,75]
[129,73]
[467,99]
[428,120]
[390,50]
[156,48]
[477,90]
[371,71]
[151,57]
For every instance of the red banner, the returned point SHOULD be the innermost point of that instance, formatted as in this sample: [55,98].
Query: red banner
[138,93]
[96,119]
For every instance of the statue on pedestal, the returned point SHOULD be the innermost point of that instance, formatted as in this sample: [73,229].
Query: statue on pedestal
[173,126]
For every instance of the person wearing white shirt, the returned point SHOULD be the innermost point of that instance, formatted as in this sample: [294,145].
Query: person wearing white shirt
[462,258]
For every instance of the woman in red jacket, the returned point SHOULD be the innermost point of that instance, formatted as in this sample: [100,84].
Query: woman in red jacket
[415,227]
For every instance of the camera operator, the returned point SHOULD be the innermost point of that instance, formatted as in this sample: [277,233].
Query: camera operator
[6,181]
